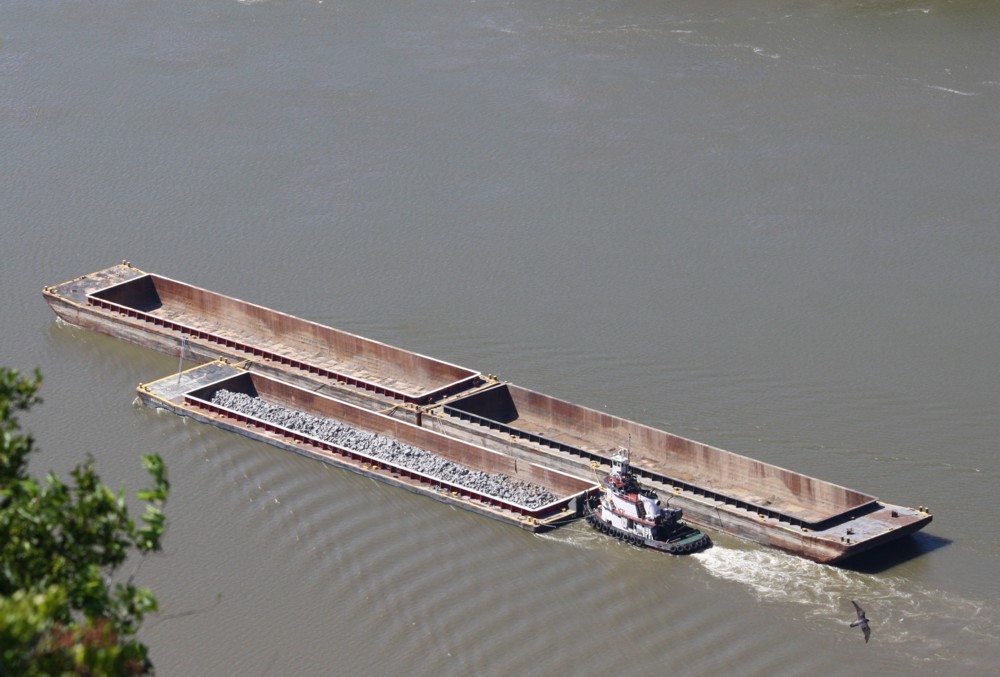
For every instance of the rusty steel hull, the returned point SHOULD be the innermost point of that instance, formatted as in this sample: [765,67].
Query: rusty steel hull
[719,474]
[718,489]
[167,315]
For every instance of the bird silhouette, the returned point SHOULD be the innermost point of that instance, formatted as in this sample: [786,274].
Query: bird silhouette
[862,621]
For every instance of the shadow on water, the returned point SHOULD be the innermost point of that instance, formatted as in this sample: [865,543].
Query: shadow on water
[889,555]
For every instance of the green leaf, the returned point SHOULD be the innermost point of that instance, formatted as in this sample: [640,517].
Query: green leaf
[60,544]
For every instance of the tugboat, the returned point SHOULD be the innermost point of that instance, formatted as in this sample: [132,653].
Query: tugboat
[633,514]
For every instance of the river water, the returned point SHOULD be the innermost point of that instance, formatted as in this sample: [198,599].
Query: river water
[769,225]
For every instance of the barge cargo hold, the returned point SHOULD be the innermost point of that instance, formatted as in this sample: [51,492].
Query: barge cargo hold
[191,393]
[717,489]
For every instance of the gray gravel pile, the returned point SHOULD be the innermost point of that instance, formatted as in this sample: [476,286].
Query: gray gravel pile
[385,449]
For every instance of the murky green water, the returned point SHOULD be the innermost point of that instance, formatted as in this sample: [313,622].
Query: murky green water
[770,226]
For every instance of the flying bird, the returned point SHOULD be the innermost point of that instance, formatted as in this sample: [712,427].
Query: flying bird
[862,621]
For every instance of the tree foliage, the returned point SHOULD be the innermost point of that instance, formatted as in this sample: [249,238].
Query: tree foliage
[63,609]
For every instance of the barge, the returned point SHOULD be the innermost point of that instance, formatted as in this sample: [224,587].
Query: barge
[716,489]
[192,393]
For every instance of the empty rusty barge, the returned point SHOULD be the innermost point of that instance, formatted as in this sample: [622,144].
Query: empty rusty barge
[465,414]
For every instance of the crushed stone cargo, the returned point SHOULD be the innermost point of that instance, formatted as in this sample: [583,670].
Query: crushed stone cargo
[388,450]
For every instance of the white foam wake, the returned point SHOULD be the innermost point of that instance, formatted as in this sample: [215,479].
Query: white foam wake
[930,623]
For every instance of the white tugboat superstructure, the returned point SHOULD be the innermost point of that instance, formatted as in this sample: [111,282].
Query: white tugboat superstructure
[635,514]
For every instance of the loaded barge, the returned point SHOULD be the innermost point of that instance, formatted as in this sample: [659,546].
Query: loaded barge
[192,393]
[717,489]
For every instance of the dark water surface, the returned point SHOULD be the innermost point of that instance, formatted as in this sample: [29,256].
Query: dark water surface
[768,225]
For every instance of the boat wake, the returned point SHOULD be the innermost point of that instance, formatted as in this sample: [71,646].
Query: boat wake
[775,576]
[924,623]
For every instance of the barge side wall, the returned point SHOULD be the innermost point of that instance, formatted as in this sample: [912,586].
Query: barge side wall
[769,487]
[161,296]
